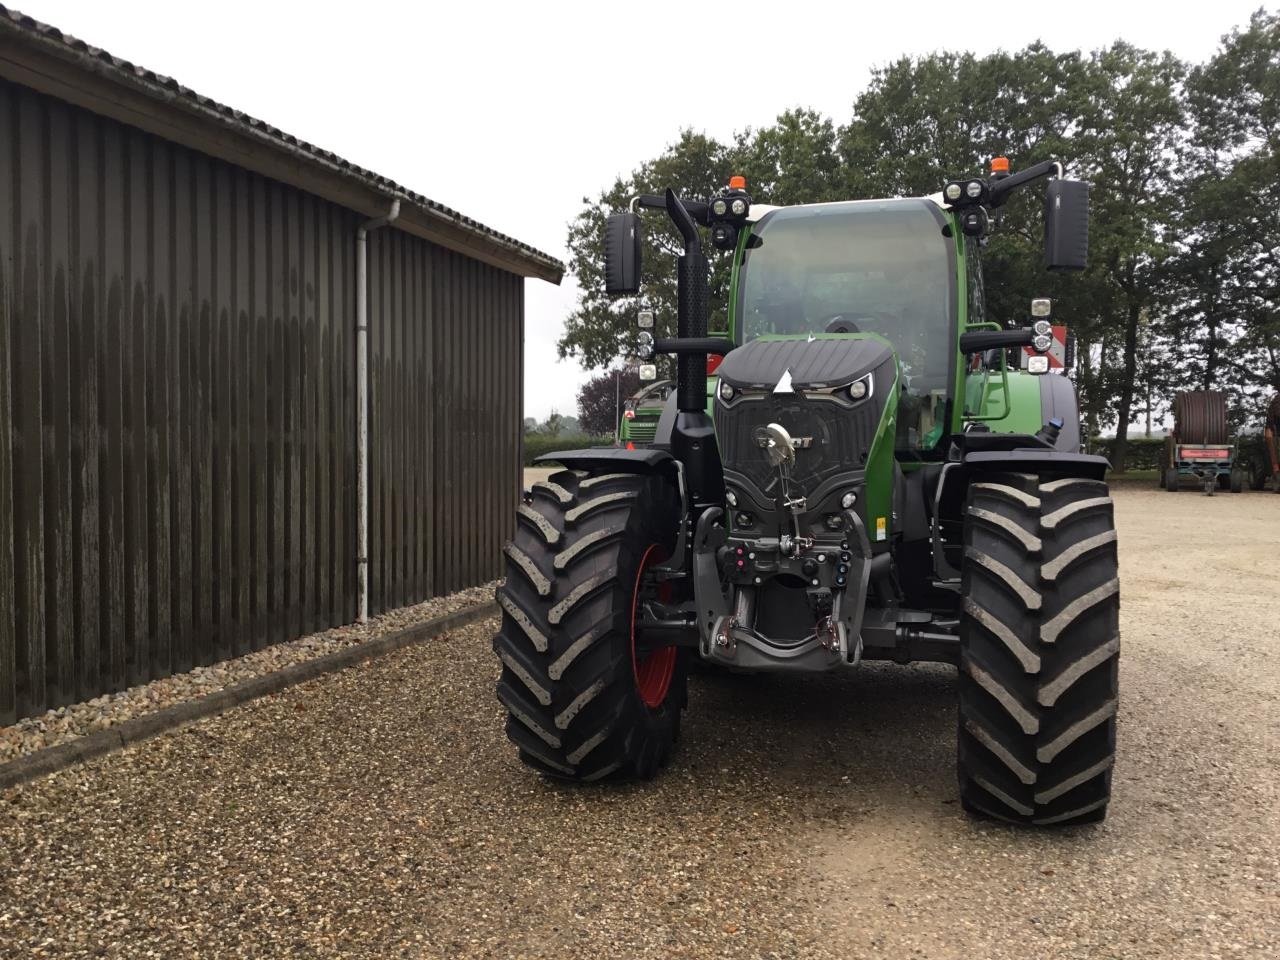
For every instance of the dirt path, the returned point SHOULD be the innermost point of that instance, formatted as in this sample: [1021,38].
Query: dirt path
[379,812]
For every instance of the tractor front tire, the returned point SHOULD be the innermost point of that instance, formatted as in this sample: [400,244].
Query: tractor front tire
[582,703]
[1040,647]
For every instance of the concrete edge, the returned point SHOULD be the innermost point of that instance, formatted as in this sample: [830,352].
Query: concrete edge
[63,755]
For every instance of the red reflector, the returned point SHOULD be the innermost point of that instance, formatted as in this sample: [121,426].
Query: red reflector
[1202,453]
[628,414]
[713,362]
[630,445]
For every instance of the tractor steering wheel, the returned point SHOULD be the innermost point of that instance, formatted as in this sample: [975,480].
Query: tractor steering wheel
[840,323]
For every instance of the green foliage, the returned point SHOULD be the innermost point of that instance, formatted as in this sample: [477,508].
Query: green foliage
[1184,165]
[536,444]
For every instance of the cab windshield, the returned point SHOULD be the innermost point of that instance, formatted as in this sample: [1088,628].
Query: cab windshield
[881,267]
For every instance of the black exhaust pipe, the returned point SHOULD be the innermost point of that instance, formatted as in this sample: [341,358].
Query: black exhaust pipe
[693,309]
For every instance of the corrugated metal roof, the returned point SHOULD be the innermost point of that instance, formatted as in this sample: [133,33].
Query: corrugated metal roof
[99,65]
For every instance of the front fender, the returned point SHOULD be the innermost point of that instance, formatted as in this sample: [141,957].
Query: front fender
[1031,460]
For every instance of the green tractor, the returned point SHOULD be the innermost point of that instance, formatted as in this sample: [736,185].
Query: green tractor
[867,477]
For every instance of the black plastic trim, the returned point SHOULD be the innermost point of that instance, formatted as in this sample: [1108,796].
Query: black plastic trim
[620,458]
[1085,465]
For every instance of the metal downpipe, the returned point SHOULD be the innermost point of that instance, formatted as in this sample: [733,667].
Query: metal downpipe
[362,404]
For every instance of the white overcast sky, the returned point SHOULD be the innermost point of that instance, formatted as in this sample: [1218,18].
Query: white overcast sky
[513,112]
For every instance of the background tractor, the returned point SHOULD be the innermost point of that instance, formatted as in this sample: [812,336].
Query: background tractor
[641,412]
[1199,450]
[868,476]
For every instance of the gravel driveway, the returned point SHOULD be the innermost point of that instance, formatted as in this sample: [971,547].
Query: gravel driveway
[379,812]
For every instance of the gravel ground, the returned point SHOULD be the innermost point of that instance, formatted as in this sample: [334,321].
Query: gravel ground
[69,722]
[378,812]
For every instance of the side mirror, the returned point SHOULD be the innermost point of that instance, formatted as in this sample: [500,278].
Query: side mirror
[1066,225]
[622,254]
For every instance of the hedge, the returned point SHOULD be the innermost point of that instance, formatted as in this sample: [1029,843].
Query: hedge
[536,444]
[1142,453]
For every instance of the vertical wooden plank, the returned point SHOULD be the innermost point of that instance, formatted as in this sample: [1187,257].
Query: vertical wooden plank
[324,414]
[28,493]
[377,428]
[400,432]
[8,247]
[160,263]
[418,388]
[222,432]
[137,508]
[56,403]
[306,420]
[259,466]
[344,417]
[182,443]
[112,215]
[243,241]
[202,459]
[292,381]
[432,425]
[278,312]
[87,528]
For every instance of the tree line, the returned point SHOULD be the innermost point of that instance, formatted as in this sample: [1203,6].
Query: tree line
[1183,160]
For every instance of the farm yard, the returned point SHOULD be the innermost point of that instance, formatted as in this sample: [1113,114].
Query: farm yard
[379,812]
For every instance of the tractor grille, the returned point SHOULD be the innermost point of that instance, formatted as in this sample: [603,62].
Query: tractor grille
[641,430]
[839,437]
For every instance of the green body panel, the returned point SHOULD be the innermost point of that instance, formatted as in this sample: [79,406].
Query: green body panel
[1014,411]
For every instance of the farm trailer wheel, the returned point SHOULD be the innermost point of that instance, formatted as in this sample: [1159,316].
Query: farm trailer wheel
[1040,644]
[584,701]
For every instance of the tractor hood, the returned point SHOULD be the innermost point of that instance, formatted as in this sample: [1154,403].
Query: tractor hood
[829,360]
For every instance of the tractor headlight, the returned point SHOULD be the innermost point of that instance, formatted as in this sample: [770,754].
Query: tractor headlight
[1038,364]
[731,498]
[848,500]
[644,345]
[727,392]
[860,389]
[1041,342]
[739,207]
[719,208]
[953,192]
[974,189]
[1042,328]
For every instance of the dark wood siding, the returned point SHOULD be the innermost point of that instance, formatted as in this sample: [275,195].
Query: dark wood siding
[177,420]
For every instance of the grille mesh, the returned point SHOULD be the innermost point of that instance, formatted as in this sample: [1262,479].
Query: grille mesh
[841,437]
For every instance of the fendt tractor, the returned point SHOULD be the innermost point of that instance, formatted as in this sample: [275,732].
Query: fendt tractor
[867,477]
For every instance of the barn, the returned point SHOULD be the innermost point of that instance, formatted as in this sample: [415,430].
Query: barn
[200,319]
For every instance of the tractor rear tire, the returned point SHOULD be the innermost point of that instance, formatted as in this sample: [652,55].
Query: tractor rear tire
[581,704]
[1040,647]
[1171,480]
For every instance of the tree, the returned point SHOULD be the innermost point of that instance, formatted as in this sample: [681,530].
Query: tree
[601,330]
[1225,299]
[600,399]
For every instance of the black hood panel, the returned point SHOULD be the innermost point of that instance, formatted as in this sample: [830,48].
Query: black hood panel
[814,364]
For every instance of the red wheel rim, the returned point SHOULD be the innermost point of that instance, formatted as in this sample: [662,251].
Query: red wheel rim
[653,673]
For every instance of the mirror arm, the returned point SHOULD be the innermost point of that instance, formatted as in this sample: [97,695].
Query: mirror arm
[693,345]
[679,214]
[978,341]
[700,210]
[1001,189]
